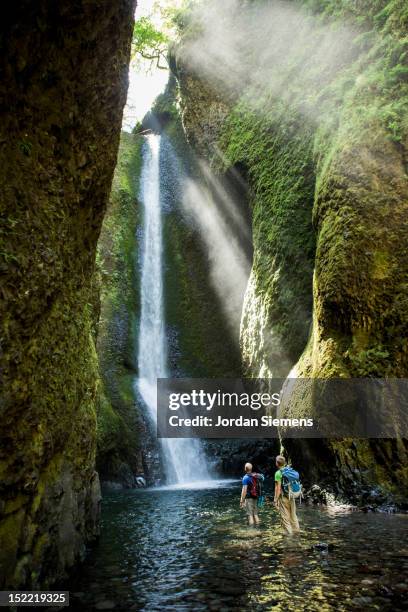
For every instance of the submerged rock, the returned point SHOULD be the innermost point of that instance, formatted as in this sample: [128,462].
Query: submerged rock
[140,481]
[316,495]
[323,547]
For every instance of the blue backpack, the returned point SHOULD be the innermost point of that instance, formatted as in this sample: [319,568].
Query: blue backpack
[290,483]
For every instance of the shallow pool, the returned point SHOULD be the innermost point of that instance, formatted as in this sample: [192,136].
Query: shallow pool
[190,549]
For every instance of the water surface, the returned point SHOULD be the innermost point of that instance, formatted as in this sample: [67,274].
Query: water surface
[190,549]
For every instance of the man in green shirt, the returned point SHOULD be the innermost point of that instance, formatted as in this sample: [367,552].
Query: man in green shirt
[285,506]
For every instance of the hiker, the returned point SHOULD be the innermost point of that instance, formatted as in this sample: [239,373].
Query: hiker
[287,489]
[251,494]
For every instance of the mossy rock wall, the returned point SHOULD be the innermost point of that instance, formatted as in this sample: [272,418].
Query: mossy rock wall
[121,428]
[64,78]
[326,162]
[201,344]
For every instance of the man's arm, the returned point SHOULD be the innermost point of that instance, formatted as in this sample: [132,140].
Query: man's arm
[278,491]
[243,495]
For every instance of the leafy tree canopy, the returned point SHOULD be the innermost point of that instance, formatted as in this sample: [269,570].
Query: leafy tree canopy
[149,43]
[152,34]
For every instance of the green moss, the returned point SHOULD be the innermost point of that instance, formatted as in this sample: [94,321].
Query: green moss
[276,151]
[204,346]
[38,553]
[110,425]
[330,145]
[325,160]
[10,534]
[57,164]
[118,423]
[15,504]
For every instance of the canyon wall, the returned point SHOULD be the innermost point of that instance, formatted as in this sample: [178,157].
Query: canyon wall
[63,87]
[317,126]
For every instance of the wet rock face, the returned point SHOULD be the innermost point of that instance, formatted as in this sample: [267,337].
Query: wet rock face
[228,457]
[63,87]
[203,110]
[329,201]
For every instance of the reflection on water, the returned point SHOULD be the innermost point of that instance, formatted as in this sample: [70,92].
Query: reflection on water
[177,549]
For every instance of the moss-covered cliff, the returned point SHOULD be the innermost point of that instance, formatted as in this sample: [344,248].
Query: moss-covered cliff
[200,342]
[119,457]
[64,79]
[315,114]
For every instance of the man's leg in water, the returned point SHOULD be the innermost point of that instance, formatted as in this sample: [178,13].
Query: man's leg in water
[248,508]
[284,513]
[287,511]
[252,511]
[256,515]
[293,516]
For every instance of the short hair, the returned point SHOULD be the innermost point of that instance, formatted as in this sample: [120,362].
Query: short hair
[248,467]
[280,460]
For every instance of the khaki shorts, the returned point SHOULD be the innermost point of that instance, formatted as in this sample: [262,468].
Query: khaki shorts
[251,506]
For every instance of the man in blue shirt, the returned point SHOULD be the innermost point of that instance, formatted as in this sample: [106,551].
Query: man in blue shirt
[248,500]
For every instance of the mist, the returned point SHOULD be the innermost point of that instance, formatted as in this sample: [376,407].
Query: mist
[263,48]
[216,217]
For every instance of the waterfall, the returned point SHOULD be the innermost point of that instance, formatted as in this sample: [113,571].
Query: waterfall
[183,457]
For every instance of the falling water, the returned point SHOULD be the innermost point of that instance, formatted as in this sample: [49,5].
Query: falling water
[183,458]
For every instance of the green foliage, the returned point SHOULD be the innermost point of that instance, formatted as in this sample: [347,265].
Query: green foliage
[25,147]
[153,35]
[374,362]
[138,128]
[150,43]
